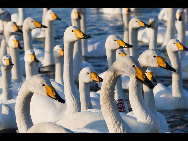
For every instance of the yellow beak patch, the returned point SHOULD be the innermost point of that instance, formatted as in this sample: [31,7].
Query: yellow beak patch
[37,24]
[142,24]
[50,90]
[16,43]
[15,28]
[123,54]
[140,74]
[76,15]
[61,52]
[79,34]
[179,46]
[121,43]
[54,16]
[94,76]
[7,62]
[149,75]
[32,57]
[161,62]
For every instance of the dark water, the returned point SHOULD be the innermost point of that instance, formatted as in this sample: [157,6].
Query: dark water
[99,26]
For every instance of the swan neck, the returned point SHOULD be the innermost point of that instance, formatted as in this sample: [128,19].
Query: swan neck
[16,69]
[133,33]
[85,99]
[22,109]
[59,62]
[30,69]
[6,79]
[20,17]
[126,18]
[49,44]
[27,38]
[153,38]
[109,109]
[70,89]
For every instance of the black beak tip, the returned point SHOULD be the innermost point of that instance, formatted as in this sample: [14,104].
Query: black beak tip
[43,26]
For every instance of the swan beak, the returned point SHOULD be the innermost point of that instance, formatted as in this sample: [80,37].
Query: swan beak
[150,76]
[140,76]
[17,44]
[50,90]
[163,64]
[80,35]
[123,54]
[77,15]
[39,25]
[151,24]
[55,17]
[94,76]
[180,16]
[61,52]
[122,44]
[127,10]
[142,24]
[16,29]
[181,47]
[33,58]
[8,62]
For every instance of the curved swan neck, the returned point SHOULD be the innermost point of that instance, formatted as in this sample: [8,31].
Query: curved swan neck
[148,122]
[153,38]
[85,99]
[114,121]
[133,33]
[27,38]
[30,69]
[59,62]
[176,76]
[22,109]
[6,79]
[49,43]
[170,30]
[16,70]
[70,89]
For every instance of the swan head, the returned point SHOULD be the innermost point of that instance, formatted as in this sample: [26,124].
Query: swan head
[14,42]
[150,75]
[129,66]
[153,23]
[137,23]
[7,61]
[75,14]
[152,58]
[30,57]
[12,27]
[73,33]
[40,84]
[180,14]
[87,75]
[58,51]
[32,24]
[126,10]
[113,42]
[5,16]
[175,45]
[51,16]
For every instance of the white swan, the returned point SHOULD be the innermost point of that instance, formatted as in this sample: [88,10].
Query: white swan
[58,52]
[134,25]
[49,38]
[169,98]
[110,10]
[7,117]
[14,50]
[115,123]
[19,17]
[126,12]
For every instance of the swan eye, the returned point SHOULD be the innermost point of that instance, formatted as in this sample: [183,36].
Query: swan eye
[134,66]
[115,40]
[43,84]
[88,73]
[154,56]
[72,31]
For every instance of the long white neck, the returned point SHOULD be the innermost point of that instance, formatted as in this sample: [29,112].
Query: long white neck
[49,43]
[149,99]
[77,53]
[181,35]
[70,89]
[133,33]
[20,16]
[147,121]
[3,49]
[30,69]
[85,99]
[153,38]
[126,18]
[59,62]
[16,70]
[6,35]
[176,76]
[83,28]
[44,16]
[6,79]
[170,30]
[186,18]
[111,115]
[22,109]
[27,38]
